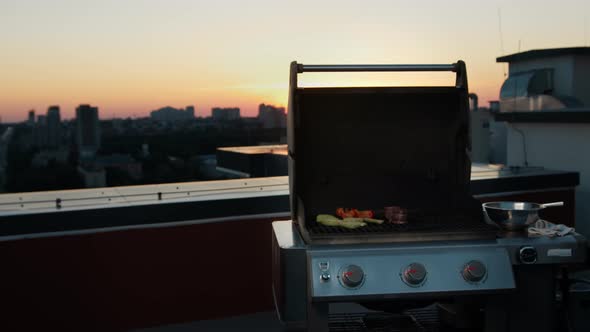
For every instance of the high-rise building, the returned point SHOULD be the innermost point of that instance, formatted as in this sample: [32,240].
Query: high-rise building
[53,127]
[272,117]
[223,114]
[87,130]
[40,131]
[31,119]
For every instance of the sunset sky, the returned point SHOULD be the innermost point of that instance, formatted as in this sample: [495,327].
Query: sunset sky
[129,57]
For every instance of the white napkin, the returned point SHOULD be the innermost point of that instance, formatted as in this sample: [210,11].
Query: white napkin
[545,228]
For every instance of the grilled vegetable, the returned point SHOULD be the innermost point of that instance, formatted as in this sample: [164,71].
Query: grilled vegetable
[354,213]
[374,221]
[365,214]
[352,223]
[329,220]
[346,213]
[353,219]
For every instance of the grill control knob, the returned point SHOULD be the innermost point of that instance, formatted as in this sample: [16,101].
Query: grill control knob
[474,271]
[414,274]
[527,255]
[352,276]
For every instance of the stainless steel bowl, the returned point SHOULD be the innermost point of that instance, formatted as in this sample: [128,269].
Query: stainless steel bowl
[514,216]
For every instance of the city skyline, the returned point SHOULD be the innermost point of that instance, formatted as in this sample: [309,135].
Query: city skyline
[133,57]
[32,115]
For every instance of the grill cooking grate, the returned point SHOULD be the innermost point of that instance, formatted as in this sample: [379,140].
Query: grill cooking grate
[427,225]
[416,320]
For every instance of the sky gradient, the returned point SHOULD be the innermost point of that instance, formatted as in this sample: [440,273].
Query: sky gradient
[129,57]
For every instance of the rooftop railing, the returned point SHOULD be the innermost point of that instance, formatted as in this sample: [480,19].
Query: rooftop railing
[36,202]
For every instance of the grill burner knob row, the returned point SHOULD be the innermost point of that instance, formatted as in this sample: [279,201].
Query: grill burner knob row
[474,271]
[352,276]
[414,274]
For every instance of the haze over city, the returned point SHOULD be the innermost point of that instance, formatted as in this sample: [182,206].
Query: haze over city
[131,57]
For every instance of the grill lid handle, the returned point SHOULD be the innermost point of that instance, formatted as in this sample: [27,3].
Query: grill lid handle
[301,68]
[458,67]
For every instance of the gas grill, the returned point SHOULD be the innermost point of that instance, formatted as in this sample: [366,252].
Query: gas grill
[376,147]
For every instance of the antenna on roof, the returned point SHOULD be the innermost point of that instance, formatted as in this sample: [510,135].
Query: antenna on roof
[501,37]
[585,30]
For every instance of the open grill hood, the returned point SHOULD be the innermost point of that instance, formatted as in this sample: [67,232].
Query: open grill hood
[370,147]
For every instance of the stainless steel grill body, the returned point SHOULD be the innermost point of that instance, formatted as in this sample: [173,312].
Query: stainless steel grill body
[303,295]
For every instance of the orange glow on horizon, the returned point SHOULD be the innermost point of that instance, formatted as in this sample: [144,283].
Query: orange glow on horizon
[129,58]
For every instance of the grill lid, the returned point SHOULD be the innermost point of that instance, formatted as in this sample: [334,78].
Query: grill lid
[370,147]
